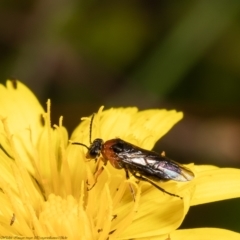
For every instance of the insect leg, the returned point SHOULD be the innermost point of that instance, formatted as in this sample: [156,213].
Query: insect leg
[130,185]
[140,177]
[97,172]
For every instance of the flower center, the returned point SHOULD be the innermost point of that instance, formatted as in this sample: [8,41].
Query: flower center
[61,216]
[92,216]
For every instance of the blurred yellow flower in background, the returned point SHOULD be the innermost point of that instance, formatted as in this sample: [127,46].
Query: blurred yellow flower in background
[44,178]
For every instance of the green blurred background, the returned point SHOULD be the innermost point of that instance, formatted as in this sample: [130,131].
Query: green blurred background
[146,53]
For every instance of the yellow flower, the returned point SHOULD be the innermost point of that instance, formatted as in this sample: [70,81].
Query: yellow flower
[44,179]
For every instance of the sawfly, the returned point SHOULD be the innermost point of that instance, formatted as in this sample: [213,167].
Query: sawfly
[143,164]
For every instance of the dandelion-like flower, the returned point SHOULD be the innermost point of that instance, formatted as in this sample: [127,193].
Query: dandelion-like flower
[44,179]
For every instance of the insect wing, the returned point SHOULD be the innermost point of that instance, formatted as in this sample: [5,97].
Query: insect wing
[174,170]
[149,163]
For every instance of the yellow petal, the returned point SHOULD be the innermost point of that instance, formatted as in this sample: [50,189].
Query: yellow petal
[155,218]
[20,121]
[215,184]
[143,128]
[196,234]
[21,108]
[204,234]
[150,125]
[158,213]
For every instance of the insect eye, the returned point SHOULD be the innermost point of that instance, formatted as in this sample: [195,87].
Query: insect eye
[95,148]
[93,152]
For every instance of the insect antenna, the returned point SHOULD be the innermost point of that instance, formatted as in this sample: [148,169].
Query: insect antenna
[78,143]
[90,129]
[90,135]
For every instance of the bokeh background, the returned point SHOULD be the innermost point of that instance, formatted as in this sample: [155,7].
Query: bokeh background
[182,55]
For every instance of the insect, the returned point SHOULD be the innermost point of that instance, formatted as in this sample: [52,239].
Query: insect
[143,164]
